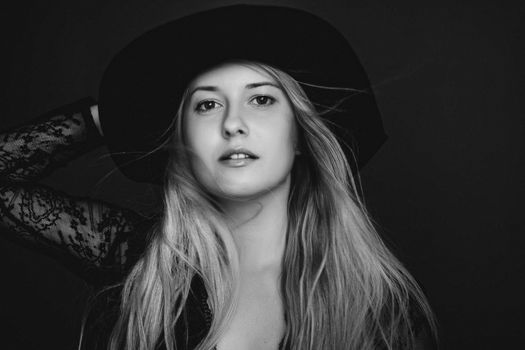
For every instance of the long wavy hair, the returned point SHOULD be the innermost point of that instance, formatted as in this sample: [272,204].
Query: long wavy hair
[342,288]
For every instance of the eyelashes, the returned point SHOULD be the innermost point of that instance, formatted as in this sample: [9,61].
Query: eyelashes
[263,100]
[258,101]
[206,105]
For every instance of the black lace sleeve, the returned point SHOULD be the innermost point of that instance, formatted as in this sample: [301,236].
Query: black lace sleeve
[93,231]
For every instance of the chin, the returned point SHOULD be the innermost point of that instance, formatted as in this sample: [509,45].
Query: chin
[239,193]
[248,190]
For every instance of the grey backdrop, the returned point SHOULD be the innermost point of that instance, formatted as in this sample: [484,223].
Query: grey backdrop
[445,189]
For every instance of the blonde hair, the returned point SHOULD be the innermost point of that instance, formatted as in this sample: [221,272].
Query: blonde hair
[342,288]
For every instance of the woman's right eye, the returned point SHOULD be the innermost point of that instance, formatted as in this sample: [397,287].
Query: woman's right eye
[206,106]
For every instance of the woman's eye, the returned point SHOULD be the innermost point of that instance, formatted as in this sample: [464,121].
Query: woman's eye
[206,106]
[263,100]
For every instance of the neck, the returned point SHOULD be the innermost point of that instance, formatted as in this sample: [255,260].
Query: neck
[259,229]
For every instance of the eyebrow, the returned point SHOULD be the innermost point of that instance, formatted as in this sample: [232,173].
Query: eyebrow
[248,86]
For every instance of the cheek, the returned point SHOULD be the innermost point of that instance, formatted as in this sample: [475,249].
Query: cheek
[190,133]
[283,145]
[288,138]
[198,147]
[197,138]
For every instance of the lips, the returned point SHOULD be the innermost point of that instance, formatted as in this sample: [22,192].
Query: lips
[237,154]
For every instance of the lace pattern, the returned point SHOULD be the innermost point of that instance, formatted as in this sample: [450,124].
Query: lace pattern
[93,231]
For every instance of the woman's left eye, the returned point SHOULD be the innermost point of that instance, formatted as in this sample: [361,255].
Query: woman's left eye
[263,100]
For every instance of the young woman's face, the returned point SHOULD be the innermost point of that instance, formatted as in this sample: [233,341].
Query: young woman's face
[240,130]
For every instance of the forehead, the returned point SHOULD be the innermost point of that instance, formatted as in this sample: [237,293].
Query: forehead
[231,74]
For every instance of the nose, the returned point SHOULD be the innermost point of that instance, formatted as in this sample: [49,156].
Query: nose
[233,123]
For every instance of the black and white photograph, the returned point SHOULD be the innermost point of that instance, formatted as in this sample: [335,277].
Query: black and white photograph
[262,175]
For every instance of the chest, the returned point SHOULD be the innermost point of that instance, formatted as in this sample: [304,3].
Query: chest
[258,322]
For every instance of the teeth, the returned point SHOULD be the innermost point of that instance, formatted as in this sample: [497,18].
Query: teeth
[239,156]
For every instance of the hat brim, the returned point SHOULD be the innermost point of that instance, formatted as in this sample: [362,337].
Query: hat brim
[143,85]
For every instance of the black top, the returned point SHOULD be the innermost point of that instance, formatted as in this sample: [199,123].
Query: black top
[103,236]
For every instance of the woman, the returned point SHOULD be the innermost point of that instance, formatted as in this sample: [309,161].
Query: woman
[263,241]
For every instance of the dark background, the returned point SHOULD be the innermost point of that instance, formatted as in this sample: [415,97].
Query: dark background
[446,189]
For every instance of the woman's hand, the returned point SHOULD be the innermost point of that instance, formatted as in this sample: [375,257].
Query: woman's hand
[94,113]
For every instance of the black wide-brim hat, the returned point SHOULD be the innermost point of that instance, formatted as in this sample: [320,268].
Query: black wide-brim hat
[143,85]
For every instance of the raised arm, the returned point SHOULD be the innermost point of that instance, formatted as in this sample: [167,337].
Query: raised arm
[93,231]
[32,151]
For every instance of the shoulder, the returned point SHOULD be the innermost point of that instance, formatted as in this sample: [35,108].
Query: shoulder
[139,240]
[423,329]
[100,316]
[411,327]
